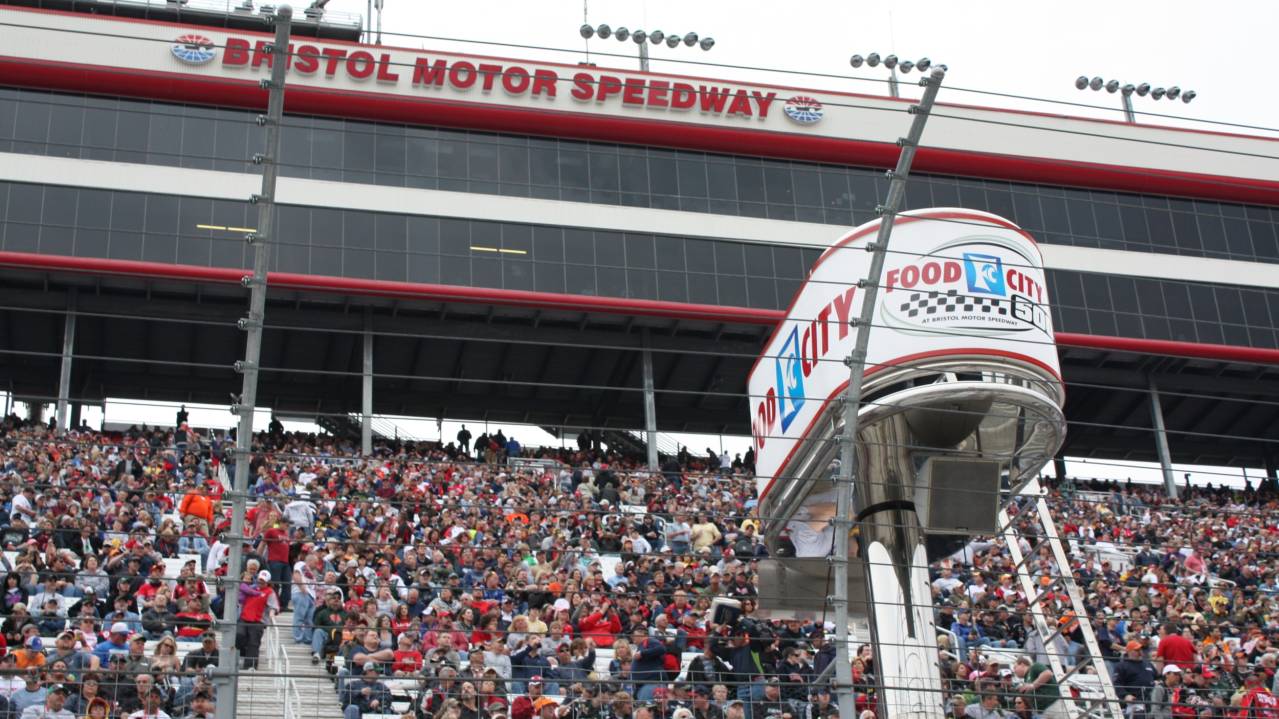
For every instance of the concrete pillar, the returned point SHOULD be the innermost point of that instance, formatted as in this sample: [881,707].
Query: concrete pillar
[64,377]
[1161,441]
[366,404]
[650,407]
[1059,468]
[76,409]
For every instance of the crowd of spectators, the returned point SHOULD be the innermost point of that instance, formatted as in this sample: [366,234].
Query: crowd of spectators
[500,582]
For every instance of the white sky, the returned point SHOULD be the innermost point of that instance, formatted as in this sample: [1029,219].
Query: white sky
[1026,48]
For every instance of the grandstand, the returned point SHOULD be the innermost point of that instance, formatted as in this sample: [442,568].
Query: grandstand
[606,272]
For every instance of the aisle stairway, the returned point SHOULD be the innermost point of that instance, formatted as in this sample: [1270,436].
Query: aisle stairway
[264,693]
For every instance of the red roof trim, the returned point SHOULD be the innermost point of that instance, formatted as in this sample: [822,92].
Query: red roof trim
[548,300]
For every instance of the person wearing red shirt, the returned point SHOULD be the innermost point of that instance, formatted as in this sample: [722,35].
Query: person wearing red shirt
[603,626]
[258,604]
[1256,702]
[275,547]
[1175,649]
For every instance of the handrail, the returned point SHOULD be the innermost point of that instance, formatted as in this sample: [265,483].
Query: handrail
[284,681]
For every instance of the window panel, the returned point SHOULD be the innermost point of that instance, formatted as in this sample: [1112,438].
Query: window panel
[729,259]
[672,286]
[549,277]
[609,249]
[640,251]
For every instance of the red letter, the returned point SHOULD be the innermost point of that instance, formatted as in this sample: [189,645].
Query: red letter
[892,281]
[384,73]
[950,272]
[844,305]
[237,52]
[260,56]
[308,59]
[771,397]
[426,72]
[683,96]
[544,81]
[763,101]
[713,98]
[582,89]
[334,56]
[515,80]
[634,92]
[657,93]
[360,64]
[824,318]
[741,104]
[488,74]
[609,85]
[462,75]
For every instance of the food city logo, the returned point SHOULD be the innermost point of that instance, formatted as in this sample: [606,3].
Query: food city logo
[803,110]
[978,284]
[473,76]
[807,343]
[194,49]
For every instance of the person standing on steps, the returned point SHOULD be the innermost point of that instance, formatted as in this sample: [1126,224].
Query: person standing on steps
[258,605]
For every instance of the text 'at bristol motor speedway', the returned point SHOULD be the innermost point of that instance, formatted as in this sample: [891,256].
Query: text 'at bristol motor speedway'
[961,404]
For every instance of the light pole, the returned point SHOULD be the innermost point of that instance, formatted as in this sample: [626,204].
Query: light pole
[892,63]
[1127,90]
[639,36]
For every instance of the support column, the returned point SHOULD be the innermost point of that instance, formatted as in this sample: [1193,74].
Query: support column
[1161,441]
[226,676]
[76,409]
[1271,472]
[64,377]
[366,401]
[1059,468]
[650,407]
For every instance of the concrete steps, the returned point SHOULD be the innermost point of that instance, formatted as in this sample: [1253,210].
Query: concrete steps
[262,693]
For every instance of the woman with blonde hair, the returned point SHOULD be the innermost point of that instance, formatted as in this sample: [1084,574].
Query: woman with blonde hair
[166,656]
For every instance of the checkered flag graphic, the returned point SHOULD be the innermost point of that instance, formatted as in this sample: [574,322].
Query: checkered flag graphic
[949,302]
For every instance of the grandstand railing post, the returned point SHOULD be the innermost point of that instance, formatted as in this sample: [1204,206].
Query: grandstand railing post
[1161,441]
[650,406]
[366,393]
[228,669]
[68,347]
[894,696]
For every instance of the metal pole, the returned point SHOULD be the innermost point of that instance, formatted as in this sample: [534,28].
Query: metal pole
[68,345]
[1130,115]
[643,49]
[844,521]
[228,656]
[894,89]
[1161,441]
[650,406]
[366,404]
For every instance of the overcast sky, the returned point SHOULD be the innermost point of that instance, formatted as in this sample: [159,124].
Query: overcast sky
[1218,49]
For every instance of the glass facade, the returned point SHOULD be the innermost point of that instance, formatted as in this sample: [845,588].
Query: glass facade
[385,246]
[457,160]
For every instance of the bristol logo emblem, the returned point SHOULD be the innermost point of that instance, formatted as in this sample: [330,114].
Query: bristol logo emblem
[790,380]
[194,49]
[985,274]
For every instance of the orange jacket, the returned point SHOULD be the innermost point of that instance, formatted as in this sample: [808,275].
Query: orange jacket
[199,506]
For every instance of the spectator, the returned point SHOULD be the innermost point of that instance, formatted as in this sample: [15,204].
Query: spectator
[258,605]
[52,706]
[368,695]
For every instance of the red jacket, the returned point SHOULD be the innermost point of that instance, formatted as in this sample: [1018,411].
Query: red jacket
[1258,703]
[600,627]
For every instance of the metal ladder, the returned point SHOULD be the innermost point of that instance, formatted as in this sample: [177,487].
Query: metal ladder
[1046,625]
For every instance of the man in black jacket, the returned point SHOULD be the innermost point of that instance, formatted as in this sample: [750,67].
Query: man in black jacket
[1134,674]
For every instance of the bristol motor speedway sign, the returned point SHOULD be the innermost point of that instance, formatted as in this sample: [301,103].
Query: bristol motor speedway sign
[956,283]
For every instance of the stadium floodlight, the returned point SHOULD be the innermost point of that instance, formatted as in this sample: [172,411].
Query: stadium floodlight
[1127,90]
[642,37]
[893,63]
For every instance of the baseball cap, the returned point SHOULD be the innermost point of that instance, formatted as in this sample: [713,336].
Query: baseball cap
[56,688]
[537,679]
[35,644]
[264,575]
[1172,669]
[119,628]
[1133,646]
